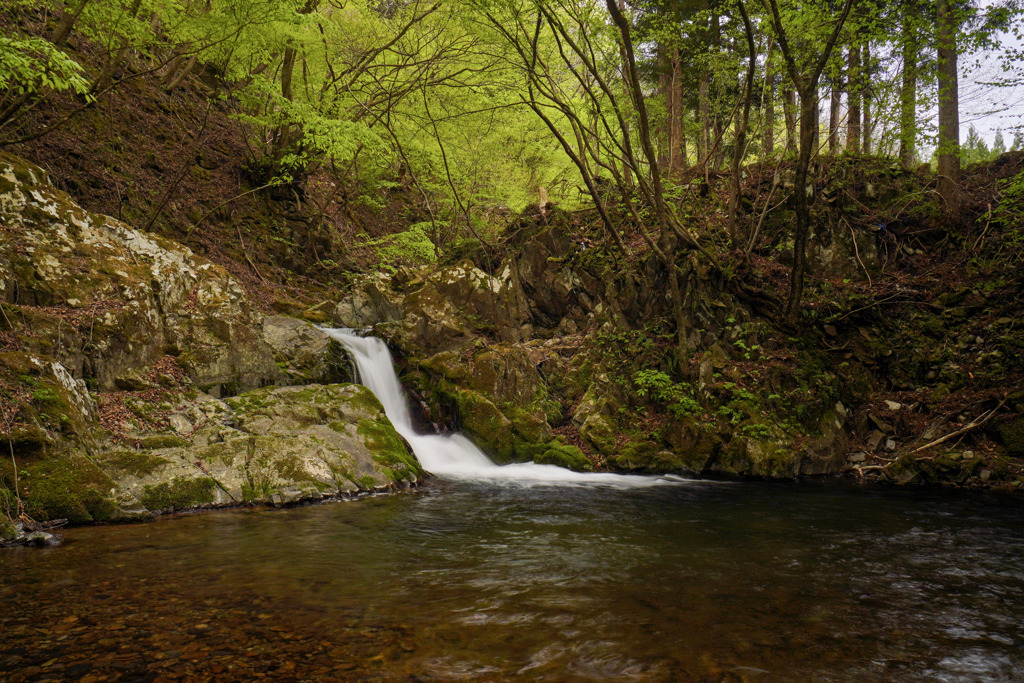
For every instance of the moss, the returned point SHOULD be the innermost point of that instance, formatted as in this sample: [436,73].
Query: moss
[317,317]
[181,493]
[69,487]
[366,483]
[340,427]
[290,468]
[752,458]
[152,443]
[634,455]
[388,448]
[257,490]
[490,429]
[365,400]
[130,462]
[565,456]
[1011,432]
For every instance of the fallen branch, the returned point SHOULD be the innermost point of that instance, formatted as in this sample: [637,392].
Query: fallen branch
[976,422]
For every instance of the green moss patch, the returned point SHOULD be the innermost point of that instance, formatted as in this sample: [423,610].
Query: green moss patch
[181,493]
[564,455]
[389,449]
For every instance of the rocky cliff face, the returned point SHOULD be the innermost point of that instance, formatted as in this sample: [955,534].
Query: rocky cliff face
[562,353]
[540,361]
[136,377]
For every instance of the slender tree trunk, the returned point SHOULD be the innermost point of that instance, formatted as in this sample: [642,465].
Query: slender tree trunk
[717,123]
[801,200]
[67,22]
[949,106]
[703,113]
[106,76]
[667,252]
[853,91]
[662,133]
[741,127]
[769,111]
[627,172]
[176,76]
[675,150]
[865,130]
[703,106]
[908,94]
[789,110]
[834,112]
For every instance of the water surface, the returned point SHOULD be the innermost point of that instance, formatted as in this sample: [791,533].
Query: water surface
[476,581]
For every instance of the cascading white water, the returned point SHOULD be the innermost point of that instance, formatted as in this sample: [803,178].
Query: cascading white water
[454,456]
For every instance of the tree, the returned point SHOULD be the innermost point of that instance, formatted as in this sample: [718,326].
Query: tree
[949,105]
[805,66]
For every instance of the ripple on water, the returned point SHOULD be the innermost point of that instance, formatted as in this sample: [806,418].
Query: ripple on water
[465,581]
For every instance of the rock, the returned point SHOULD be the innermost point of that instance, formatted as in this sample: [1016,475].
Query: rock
[1011,433]
[890,444]
[985,475]
[305,353]
[180,425]
[138,295]
[893,405]
[272,446]
[857,458]
[41,539]
[371,302]
[882,425]
[875,439]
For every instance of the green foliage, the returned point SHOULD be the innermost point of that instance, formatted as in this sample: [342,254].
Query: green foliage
[1009,215]
[31,66]
[412,246]
[657,385]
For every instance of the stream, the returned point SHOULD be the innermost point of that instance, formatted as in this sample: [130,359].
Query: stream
[531,572]
[468,581]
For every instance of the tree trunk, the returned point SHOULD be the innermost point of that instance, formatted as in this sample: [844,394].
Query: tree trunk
[176,76]
[853,90]
[769,111]
[67,22]
[662,134]
[949,106]
[789,109]
[675,127]
[834,111]
[717,123]
[801,200]
[865,130]
[741,127]
[908,95]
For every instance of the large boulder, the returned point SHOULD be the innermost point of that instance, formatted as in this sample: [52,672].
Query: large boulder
[304,353]
[103,298]
[268,446]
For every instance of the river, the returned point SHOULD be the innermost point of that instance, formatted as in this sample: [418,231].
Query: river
[477,581]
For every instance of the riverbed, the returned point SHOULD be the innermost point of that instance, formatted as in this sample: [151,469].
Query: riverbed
[479,581]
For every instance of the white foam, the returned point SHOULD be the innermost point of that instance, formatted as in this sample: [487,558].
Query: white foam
[454,456]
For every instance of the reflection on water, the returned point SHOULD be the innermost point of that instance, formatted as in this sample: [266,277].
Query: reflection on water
[472,581]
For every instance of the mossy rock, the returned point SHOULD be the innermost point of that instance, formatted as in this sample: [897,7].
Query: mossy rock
[72,487]
[486,425]
[1011,432]
[154,443]
[747,457]
[389,450]
[564,455]
[181,493]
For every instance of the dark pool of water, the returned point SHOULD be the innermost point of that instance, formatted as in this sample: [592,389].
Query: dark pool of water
[705,581]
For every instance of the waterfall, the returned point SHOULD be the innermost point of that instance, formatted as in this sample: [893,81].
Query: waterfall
[454,456]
